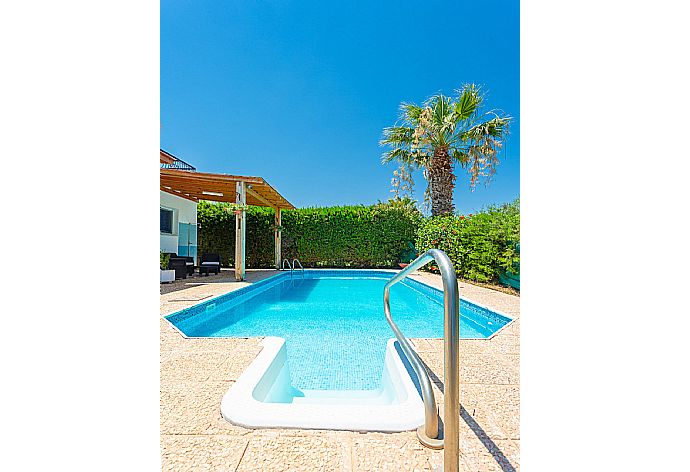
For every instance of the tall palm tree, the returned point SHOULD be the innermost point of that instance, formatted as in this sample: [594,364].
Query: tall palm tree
[442,132]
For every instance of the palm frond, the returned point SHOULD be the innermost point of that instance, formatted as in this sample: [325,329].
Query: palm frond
[415,159]
[398,154]
[460,156]
[397,136]
[469,100]
[410,113]
[496,127]
[440,106]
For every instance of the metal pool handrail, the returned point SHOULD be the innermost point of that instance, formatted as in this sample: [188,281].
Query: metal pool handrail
[289,265]
[429,433]
[294,266]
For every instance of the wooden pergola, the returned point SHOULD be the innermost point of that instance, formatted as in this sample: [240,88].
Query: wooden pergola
[243,190]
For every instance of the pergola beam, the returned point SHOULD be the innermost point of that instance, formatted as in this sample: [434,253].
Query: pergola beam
[252,193]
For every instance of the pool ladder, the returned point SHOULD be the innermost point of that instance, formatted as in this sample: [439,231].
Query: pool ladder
[429,434]
[293,266]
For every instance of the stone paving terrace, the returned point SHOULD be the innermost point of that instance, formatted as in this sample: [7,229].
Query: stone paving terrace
[196,373]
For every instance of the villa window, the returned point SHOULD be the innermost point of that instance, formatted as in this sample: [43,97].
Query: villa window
[166,221]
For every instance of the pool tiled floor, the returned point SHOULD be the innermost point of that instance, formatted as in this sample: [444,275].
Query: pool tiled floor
[196,373]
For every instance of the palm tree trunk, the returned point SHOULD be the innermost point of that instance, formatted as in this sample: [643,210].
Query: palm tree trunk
[442,183]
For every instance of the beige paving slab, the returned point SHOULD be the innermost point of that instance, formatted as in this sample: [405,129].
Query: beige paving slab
[181,365]
[488,454]
[477,420]
[488,369]
[503,344]
[288,451]
[207,365]
[390,452]
[502,403]
[201,453]
[194,408]
[436,462]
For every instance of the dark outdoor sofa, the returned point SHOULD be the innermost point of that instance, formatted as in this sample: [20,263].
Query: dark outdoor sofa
[179,266]
[176,263]
[212,261]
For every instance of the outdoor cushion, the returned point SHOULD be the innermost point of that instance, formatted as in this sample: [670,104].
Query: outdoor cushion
[210,263]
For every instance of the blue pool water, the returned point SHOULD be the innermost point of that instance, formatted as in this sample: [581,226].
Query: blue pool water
[333,322]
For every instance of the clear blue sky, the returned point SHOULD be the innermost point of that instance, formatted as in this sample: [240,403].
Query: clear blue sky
[298,92]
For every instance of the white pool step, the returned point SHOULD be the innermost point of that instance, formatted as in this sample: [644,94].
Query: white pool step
[263,397]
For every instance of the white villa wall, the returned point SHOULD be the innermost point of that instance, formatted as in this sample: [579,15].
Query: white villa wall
[184,211]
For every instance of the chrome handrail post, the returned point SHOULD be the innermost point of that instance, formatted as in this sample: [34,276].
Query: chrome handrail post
[451,330]
[451,355]
[289,266]
[294,265]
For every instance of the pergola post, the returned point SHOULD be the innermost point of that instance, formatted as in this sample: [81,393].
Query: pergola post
[277,238]
[240,231]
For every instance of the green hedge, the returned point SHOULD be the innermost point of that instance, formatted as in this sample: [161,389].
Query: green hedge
[347,236]
[481,246]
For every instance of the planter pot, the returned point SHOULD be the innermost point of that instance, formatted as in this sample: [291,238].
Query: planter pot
[402,265]
[167,276]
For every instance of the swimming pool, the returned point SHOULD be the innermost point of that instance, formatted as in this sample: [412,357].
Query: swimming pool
[336,345]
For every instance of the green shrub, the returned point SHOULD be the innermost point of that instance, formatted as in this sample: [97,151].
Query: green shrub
[165,260]
[480,246]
